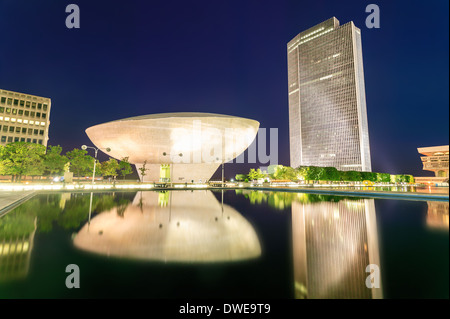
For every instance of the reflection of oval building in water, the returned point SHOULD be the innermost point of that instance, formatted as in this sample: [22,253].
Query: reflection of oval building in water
[173,226]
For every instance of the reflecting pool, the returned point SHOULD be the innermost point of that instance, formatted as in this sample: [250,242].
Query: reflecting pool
[224,244]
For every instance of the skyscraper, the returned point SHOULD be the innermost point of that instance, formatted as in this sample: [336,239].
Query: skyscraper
[327,102]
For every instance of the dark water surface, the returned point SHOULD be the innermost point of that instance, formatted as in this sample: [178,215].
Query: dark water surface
[187,244]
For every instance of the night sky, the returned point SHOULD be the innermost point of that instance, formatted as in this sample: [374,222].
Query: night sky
[140,57]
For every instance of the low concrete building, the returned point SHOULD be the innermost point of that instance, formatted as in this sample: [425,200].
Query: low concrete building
[176,147]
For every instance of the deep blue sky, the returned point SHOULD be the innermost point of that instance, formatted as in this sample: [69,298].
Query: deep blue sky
[139,57]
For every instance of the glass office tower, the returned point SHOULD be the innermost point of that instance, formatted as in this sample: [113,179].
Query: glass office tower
[327,103]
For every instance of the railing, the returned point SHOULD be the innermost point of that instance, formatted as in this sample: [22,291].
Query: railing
[441,158]
[435,165]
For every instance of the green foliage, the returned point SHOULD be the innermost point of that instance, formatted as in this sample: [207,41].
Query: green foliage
[352,176]
[402,178]
[125,167]
[240,177]
[109,167]
[383,177]
[285,173]
[13,226]
[255,174]
[20,158]
[328,174]
[309,173]
[53,161]
[81,164]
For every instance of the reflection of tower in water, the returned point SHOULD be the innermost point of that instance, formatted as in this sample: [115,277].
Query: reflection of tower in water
[334,242]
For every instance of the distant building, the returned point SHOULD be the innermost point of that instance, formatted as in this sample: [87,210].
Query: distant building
[435,160]
[327,103]
[24,118]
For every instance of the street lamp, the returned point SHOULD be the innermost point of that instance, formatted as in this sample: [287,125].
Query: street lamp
[171,167]
[85,147]
[223,167]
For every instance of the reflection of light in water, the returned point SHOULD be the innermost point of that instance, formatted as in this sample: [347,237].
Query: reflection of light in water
[437,215]
[333,244]
[191,228]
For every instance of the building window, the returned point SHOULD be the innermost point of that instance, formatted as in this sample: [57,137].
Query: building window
[5,128]
[3,139]
[2,110]
[32,114]
[16,102]
[14,111]
[44,115]
[27,104]
[38,114]
[11,129]
[20,112]
[28,140]
[9,101]
[24,130]
[40,141]
[41,132]
[16,139]
[27,113]
[30,131]
[8,110]
[39,106]
[3,100]
[45,107]
[33,105]
[22,103]
[22,139]
[34,140]
[17,129]
[36,132]
[9,139]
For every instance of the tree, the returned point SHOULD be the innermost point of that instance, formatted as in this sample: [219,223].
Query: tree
[53,161]
[352,176]
[328,174]
[20,158]
[310,173]
[109,167]
[125,167]
[240,177]
[255,174]
[285,173]
[369,176]
[80,163]
[383,177]
[143,170]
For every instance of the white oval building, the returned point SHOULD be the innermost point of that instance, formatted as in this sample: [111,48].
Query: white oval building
[190,146]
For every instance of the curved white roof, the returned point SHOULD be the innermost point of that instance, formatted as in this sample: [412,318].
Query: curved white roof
[200,137]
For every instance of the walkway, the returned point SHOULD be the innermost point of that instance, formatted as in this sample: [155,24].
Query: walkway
[11,199]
